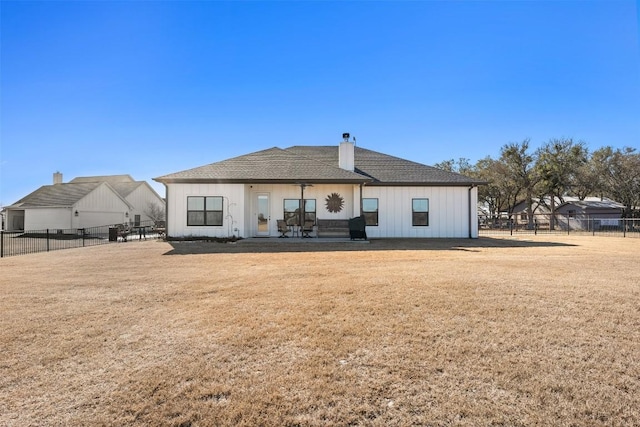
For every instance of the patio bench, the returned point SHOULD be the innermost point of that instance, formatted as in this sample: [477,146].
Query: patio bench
[332,228]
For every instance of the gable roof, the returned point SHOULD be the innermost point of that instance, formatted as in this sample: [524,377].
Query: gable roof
[593,203]
[123,184]
[318,164]
[589,203]
[386,169]
[111,179]
[271,165]
[57,195]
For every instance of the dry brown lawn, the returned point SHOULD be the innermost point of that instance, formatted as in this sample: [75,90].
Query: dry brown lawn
[511,332]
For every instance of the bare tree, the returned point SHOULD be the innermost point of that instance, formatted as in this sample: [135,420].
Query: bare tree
[155,212]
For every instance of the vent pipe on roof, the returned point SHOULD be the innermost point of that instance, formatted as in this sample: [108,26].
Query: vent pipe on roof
[346,155]
[57,178]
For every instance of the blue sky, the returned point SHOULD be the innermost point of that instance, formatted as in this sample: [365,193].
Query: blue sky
[148,88]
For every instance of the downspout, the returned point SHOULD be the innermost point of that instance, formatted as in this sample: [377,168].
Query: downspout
[361,185]
[166,210]
[302,217]
[470,210]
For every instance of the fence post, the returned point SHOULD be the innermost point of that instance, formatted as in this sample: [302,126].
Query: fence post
[624,227]
[568,224]
[510,227]
[82,229]
[47,240]
[1,243]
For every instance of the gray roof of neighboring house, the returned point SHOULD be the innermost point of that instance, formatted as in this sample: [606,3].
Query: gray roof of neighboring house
[123,184]
[589,203]
[57,195]
[111,179]
[67,194]
[318,164]
[594,203]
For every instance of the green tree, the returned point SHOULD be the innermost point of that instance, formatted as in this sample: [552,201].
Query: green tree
[558,164]
[462,166]
[520,172]
[497,193]
[620,173]
[588,179]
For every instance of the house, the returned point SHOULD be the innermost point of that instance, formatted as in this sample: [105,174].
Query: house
[592,213]
[246,195]
[139,194]
[82,203]
[587,214]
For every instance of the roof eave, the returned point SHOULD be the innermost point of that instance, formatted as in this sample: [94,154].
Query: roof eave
[260,181]
[426,184]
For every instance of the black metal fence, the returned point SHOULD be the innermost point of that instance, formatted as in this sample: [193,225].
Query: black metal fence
[27,242]
[561,224]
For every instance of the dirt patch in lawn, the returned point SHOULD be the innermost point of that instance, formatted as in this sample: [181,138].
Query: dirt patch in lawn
[393,332]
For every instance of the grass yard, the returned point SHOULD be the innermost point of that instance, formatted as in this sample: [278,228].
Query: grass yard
[487,332]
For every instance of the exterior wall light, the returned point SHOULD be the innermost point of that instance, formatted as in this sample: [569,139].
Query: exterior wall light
[76,214]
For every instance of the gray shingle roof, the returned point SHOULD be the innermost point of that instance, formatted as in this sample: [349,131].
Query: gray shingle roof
[273,164]
[386,169]
[123,184]
[111,179]
[58,195]
[593,203]
[318,164]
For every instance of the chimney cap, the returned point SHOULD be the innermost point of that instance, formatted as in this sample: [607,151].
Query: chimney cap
[345,136]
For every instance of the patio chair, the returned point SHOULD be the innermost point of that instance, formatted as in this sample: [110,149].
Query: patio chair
[283,228]
[307,228]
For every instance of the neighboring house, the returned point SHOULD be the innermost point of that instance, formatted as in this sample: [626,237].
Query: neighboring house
[81,203]
[598,211]
[246,195]
[591,213]
[139,194]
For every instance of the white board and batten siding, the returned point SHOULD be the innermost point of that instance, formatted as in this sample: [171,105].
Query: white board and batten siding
[232,207]
[239,207]
[279,192]
[448,212]
[100,207]
[449,208]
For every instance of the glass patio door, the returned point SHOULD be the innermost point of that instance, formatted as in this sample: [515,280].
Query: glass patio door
[263,215]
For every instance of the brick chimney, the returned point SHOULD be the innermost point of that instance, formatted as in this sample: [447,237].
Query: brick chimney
[346,156]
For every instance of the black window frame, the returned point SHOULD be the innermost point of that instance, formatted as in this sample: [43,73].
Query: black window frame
[419,217]
[371,218]
[207,213]
[292,217]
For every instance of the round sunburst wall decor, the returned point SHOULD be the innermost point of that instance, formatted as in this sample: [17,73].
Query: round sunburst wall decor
[334,202]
